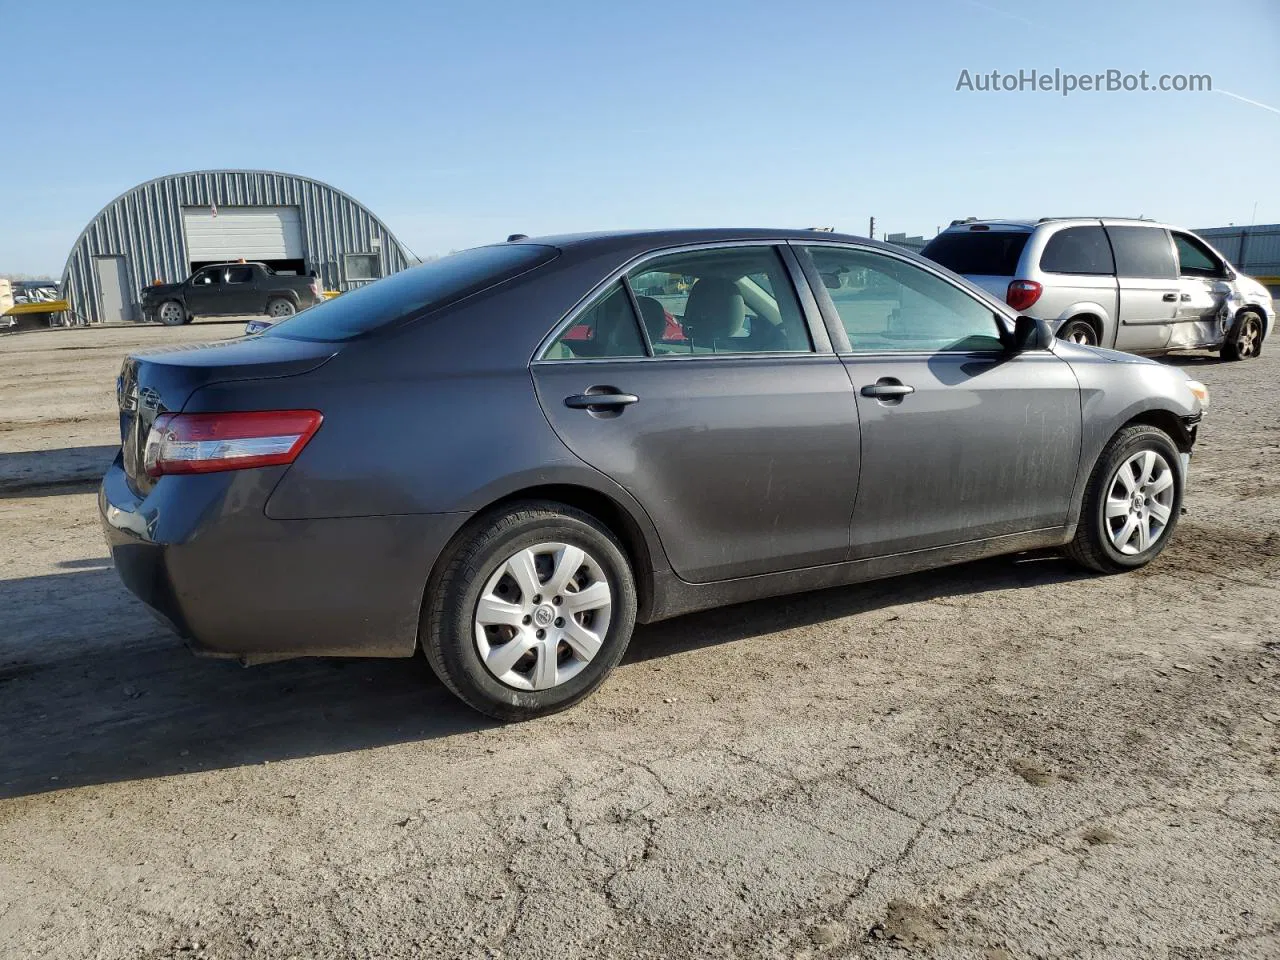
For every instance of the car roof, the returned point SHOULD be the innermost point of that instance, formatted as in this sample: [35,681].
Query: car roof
[634,242]
[960,226]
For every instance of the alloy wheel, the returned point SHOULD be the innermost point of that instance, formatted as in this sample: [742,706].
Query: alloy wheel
[282,308]
[542,616]
[171,313]
[1139,502]
[1248,338]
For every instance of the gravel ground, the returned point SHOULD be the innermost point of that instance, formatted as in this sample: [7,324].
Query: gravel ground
[1002,760]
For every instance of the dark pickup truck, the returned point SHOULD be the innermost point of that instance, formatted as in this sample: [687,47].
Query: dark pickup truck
[230,289]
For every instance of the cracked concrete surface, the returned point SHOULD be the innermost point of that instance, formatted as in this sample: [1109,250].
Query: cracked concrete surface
[1008,759]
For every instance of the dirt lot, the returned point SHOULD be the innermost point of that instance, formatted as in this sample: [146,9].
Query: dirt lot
[1006,759]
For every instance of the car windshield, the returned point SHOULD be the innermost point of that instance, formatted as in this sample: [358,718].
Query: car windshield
[985,253]
[422,288]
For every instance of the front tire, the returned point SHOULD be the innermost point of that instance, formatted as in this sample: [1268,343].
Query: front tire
[531,613]
[1132,503]
[1244,340]
[172,314]
[1079,331]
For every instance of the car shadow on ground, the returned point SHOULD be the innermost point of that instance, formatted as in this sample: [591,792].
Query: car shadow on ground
[92,691]
[43,473]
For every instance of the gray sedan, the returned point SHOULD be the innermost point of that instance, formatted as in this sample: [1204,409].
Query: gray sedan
[509,457]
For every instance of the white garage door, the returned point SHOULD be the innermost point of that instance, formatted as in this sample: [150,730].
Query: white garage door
[254,233]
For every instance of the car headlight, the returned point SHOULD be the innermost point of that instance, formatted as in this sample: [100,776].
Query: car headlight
[1201,392]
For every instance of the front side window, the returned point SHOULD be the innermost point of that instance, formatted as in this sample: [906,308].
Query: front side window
[1143,252]
[724,301]
[208,278]
[1079,250]
[608,328]
[1194,259]
[886,305]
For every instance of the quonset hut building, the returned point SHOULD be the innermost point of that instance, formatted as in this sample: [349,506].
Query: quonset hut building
[166,228]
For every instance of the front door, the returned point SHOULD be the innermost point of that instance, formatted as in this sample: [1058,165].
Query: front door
[1148,280]
[1202,293]
[715,411]
[961,439]
[204,292]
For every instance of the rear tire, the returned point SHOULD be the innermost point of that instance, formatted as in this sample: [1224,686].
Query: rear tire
[517,655]
[172,314]
[1079,331]
[1244,339]
[1131,504]
[280,309]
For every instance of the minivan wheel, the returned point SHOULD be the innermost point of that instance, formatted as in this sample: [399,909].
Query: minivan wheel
[1244,340]
[1079,331]
[1132,503]
[531,613]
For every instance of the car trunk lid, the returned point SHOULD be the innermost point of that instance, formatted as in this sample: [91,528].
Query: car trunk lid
[162,381]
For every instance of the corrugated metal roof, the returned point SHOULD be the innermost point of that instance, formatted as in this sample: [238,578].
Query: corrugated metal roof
[1255,250]
[144,225]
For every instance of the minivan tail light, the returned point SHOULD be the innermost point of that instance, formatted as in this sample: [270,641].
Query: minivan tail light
[1023,293]
[212,442]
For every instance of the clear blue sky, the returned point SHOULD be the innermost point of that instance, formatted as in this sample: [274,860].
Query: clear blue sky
[459,123]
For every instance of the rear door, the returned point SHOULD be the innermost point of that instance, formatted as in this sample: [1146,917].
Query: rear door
[1147,276]
[242,291]
[961,440]
[732,423]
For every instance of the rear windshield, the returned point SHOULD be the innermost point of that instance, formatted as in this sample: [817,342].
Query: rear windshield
[412,291]
[985,253]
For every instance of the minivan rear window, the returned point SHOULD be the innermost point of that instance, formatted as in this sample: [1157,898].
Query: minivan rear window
[433,284]
[984,253]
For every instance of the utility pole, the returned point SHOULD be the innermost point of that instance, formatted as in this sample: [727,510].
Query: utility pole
[871,230]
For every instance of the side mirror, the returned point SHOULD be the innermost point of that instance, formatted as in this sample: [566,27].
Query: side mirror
[1029,334]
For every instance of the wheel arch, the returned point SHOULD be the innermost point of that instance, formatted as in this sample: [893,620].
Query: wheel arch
[1090,311]
[612,514]
[1166,421]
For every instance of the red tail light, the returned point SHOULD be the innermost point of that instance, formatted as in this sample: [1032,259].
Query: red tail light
[1023,293]
[211,442]
[315,289]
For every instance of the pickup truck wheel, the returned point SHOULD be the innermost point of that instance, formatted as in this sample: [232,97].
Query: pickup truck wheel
[172,313]
[281,308]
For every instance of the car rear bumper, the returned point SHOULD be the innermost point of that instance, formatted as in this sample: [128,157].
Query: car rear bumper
[202,554]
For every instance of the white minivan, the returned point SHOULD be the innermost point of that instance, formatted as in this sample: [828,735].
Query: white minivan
[1133,285]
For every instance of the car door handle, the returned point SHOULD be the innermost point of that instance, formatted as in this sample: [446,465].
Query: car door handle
[887,390]
[606,398]
[1170,297]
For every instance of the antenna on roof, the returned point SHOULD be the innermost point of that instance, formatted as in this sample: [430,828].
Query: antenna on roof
[517,236]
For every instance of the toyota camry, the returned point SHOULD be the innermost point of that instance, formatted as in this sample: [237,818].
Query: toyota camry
[508,457]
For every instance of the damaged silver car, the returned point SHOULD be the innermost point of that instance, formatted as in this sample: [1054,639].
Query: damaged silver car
[1133,285]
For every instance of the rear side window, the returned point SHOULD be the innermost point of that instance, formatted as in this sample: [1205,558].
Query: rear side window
[983,253]
[1143,252]
[1082,250]
[608,328]
[412,291]
[240,275]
